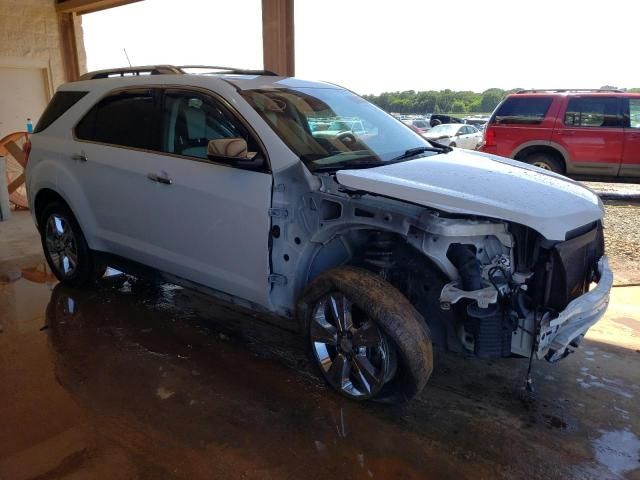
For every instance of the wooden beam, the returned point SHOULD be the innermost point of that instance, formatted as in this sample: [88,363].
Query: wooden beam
[88,6]
[69,46]
[17,153]
[278,36]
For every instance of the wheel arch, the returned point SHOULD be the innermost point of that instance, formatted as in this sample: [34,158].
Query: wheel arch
[44,197]
[549,148]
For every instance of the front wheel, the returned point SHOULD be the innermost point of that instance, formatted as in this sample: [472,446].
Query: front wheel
[65,247]
[366,338]
[453,145]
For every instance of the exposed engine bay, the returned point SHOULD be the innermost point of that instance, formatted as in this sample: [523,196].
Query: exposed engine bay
[485,287]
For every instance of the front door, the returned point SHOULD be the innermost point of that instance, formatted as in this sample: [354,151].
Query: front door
[591,131]
[163,203]
[631,154]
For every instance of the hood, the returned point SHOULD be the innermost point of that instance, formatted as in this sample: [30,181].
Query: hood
[476,183]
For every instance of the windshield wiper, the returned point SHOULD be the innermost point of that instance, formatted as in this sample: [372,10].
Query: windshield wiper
[351,165]
[412,152]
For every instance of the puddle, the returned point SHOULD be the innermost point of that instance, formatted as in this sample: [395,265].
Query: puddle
[618,450]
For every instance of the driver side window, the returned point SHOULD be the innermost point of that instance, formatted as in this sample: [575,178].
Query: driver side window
[190,120]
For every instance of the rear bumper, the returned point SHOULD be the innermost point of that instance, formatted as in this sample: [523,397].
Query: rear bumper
[568,328]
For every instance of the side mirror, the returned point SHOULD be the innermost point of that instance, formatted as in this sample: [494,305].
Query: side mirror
[233,151]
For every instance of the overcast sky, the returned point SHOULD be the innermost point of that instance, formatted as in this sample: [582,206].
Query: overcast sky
[371,46]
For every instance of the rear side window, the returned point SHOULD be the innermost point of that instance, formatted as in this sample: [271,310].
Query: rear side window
[593,112]
[522,110]
[124,118]
[60,103]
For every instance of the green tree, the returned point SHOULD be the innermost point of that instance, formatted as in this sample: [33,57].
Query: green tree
[490,99]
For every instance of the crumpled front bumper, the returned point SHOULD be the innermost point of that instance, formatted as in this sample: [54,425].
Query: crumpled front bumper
[568,328]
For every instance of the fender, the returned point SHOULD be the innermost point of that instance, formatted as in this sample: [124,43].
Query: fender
[67,186]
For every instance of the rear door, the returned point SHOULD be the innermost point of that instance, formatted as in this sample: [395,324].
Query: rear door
[591,132]
[630,166]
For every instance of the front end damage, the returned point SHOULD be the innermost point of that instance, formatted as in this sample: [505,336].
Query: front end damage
[529,296]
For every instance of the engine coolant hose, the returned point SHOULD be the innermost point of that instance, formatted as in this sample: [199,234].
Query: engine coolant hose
[464,259]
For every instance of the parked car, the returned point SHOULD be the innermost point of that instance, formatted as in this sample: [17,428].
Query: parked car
[477,121]
[438,119]
[455,135]
[419,126]
[580,133]
[375,249]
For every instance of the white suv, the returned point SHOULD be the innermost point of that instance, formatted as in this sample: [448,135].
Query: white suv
[379,245]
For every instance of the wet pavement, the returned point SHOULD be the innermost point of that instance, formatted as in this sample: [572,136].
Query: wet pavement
[139,381]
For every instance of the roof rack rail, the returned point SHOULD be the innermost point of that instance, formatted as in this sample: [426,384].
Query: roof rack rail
[565,90]
[132,71]
[214,69]
[170,70]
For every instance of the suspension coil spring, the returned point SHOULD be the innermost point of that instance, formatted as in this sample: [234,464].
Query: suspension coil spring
[379,250]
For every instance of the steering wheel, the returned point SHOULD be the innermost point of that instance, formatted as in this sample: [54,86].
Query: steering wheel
[347,138]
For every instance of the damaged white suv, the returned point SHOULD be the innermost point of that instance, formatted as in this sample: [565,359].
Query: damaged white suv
[374,242]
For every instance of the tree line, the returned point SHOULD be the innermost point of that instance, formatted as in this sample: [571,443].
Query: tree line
[444,101]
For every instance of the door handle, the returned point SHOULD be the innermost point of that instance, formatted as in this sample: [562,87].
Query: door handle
[80,157]
[164,179]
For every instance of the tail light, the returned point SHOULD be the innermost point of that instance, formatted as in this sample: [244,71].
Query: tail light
[489,137]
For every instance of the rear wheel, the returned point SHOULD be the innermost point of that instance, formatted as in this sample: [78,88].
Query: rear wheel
[65,247]
[366,338]
[546,161]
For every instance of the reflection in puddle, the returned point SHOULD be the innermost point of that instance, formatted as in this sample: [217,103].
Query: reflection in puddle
[199,383]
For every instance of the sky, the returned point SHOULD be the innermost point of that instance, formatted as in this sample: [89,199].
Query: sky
[376,46]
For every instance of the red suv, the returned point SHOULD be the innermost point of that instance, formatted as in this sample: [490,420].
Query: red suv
[579,133]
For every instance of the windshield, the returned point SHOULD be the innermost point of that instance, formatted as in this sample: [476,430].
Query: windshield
[447,129]
[329,127]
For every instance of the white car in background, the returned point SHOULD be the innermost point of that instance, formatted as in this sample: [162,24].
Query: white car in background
[455,135]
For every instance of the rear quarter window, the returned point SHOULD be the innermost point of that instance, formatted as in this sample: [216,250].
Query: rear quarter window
[60,103]
[522,111]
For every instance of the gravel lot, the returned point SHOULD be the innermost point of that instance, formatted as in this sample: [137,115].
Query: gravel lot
[622,236]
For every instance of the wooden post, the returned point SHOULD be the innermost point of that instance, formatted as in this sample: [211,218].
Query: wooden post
[278,36]
[69,45]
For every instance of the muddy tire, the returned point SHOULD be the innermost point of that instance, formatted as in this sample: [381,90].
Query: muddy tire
[363,327]
[65,247]
[546,161]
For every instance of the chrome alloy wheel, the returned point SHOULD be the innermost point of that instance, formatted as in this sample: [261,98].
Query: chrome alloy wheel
[62,246]
[354,355]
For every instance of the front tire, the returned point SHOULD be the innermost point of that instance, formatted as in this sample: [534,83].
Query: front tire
[453,145]
[366,338]
[65,247]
